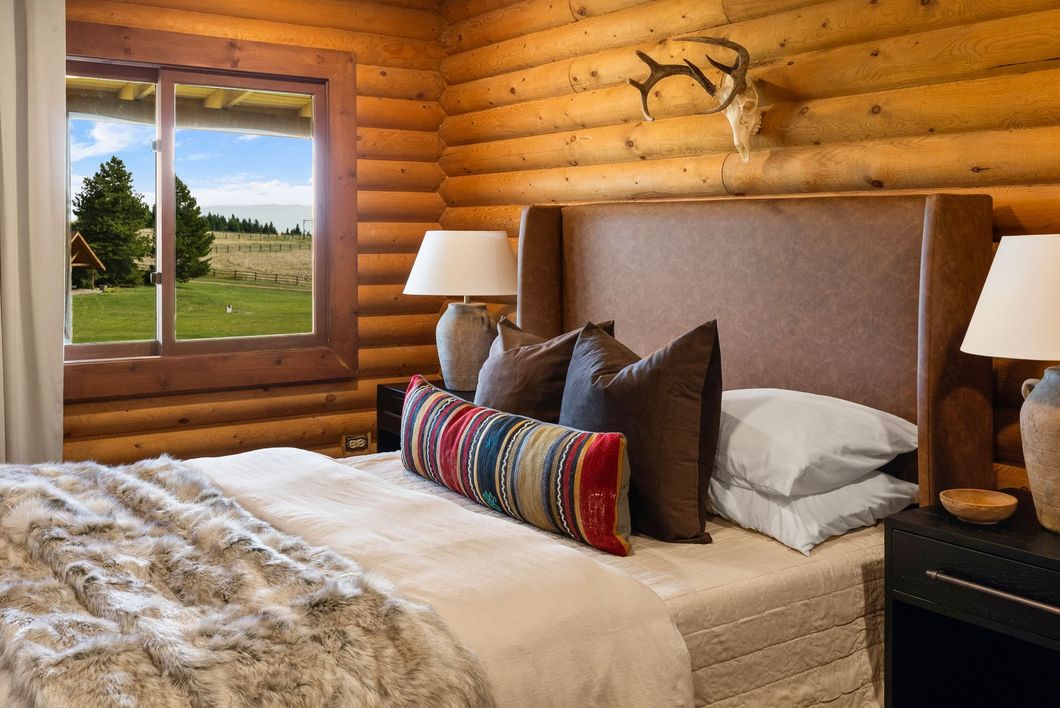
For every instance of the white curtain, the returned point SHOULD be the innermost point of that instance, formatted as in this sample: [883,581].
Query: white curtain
[32,228]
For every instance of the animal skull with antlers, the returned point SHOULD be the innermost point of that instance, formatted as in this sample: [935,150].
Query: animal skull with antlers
[739,99]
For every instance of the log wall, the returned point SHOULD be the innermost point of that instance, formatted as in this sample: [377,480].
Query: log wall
[860,96]
[398,49]
[469,109]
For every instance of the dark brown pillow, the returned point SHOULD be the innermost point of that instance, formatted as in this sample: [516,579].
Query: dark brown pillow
[668,406]
[525,374]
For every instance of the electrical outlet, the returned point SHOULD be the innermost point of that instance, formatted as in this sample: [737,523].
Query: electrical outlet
[356,443]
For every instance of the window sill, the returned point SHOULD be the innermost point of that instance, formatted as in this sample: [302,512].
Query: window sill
[154,375]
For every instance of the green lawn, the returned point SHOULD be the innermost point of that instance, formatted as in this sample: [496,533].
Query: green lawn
[128,314]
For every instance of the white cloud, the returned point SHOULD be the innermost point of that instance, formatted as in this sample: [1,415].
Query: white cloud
[110,138]
[194,157]
[249,189]
[246,137]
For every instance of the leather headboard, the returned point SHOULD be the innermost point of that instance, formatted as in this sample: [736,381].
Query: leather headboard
[861,298]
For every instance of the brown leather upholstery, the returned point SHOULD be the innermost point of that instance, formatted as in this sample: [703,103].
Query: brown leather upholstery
[862,298]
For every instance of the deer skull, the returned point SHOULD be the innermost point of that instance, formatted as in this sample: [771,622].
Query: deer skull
[743,114]
[739,99]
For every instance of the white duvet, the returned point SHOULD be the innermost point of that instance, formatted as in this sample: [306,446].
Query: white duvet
[551,626]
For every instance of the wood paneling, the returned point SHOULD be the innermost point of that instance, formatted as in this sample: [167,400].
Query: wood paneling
[469,109]
[859,96]
[398,115]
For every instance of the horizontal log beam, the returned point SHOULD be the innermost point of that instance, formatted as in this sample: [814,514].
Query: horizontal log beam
[491,218]
[376,112]
[391,237]
[395,82]
[306,431]
[1018,209]
[188,411]
[457,10]
[389,300]
[938,161]
[399,175]
[384,269]
[523,18]
[637,24]
[374,49]
[398,206]
[1001,46]
[643,180]
[390,330]
[337,14]
[394,361]
[409,145]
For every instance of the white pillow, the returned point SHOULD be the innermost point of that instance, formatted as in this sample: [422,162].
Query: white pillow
[803,522]
[791,443]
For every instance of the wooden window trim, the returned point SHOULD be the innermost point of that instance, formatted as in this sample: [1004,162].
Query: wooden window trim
[335,357]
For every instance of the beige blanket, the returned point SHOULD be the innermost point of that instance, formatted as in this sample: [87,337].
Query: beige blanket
[550,625]
[765,625]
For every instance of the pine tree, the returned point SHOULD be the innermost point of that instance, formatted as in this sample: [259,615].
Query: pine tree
[296,231]
[194,240]
[110,215]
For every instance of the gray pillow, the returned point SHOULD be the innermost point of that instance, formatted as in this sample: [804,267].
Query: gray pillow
[668,406]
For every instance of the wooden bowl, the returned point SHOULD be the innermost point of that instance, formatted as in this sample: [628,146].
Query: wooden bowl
[979,506]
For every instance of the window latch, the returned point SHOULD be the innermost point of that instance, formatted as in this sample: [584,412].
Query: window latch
[156,145]
[156,278]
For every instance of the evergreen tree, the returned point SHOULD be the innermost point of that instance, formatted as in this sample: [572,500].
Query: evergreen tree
[296,231]
[110,215]
[193,237]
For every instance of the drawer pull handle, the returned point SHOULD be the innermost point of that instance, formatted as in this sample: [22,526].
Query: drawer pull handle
[952,580]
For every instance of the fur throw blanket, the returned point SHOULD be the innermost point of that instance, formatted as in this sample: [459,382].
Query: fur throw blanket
[144,586]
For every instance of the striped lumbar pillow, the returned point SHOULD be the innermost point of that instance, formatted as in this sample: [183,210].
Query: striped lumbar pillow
[558,479]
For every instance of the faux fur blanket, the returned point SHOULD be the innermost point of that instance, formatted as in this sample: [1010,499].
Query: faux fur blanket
[145,586]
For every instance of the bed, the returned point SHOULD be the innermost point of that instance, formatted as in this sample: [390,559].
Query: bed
[859,298]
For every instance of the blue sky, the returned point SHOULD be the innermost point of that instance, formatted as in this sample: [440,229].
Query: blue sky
[220,168]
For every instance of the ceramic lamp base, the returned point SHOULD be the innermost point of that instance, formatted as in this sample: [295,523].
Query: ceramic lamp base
[464,333]
[1040,427]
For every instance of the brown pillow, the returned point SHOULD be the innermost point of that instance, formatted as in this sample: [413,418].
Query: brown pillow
[668,406]
[525,374]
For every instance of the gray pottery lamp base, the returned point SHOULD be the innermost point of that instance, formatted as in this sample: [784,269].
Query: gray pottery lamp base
[1040,424]
[464,333]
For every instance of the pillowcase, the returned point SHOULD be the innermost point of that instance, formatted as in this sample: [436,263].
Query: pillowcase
[560,480]
[803,522]
[525,374]
[791,443]
[667,405]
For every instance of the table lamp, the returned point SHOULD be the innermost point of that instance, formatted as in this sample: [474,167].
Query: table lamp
[1018,317]
[463,263]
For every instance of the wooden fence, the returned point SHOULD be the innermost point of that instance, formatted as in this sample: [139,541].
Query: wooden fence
[260,247]
[255,277]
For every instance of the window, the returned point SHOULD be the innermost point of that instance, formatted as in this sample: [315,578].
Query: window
[202,252]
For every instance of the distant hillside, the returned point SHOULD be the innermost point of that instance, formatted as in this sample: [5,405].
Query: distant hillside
[284,216]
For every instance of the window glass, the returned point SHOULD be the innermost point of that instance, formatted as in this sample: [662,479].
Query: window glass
[243,161]
[112,172]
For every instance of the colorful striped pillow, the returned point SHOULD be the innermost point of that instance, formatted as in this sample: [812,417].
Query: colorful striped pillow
[558,479]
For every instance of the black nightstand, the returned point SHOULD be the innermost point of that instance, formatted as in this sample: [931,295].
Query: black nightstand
[973,612]
[389,398]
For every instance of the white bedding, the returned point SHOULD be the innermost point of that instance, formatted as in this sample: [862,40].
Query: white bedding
[551,625]
[764,624]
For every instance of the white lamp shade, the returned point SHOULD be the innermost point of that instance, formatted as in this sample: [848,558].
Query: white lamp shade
[463,263]
[1018,313]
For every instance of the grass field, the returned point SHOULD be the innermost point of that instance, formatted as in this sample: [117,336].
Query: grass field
[128,314]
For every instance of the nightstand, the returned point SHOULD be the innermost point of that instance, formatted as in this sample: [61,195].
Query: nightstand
[389,399]
[972,612]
